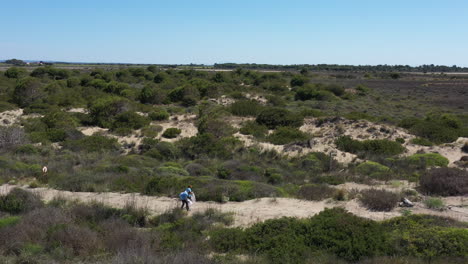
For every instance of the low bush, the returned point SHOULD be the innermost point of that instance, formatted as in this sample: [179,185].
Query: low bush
[19,201]
[172,132]
[169,216]
[381,147]
[285,135]
[421,142]
[9,221]
[315,192]
[93,143]
[129,120]
[434,203]
[428,160]
[245,108]
[444,182]
[159,115]
[254,129]
[277,117]
[379,200]
[227,239]
[373,169]
[443,128]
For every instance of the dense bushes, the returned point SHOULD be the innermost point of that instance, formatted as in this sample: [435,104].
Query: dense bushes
[276,117]
[19,201]
[159,115]
[287,240]
[172,132]
[319,92]
[436,128]
[285,135]
[129,120]
[445,182]
[93,143]
[381,147]
[27,91]
[254,129]
[245,108]
[379,200]
[373,170]
[428,160]
[104,110]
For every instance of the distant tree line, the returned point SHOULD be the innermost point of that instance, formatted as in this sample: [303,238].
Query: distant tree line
[344,68]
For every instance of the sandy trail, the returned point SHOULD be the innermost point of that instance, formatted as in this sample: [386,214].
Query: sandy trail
[249,212]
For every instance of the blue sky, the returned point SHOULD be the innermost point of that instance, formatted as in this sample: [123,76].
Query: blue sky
[410,32]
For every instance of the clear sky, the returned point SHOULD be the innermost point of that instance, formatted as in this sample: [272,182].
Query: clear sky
[410,32]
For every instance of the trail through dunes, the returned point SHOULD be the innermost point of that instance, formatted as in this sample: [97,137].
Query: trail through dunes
[248,212]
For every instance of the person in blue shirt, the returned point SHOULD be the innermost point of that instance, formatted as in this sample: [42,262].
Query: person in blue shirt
[189,191]
[184,196]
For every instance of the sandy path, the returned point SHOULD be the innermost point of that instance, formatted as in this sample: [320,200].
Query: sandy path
[249,212]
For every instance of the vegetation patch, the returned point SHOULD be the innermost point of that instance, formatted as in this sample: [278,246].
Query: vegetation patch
[379,200]
[444,182]
[285,135]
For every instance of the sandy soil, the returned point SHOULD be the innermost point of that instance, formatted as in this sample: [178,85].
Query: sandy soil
[249,212]
[10,117]
[223,100]
[259,98]
[324,136]
[186,123]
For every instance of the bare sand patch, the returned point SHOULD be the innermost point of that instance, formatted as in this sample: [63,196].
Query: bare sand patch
[11,117]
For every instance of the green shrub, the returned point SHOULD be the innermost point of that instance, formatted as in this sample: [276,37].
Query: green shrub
[19,201]
[436,128]
[14,72]
[159,115]
[400,140]
[129,120]
[347,236]
[298,80]
[9,221]
[285,135]
[428,160]
[27,149]
[380,147]
[151,131]
[421,142]
[379,200]
[444,182]
[276,117]
[227,239]
[169,216]
[168,170]
[373,169]
[27,91]
[171,132]
[245,108]
[434,203]
[311,113]
[104,110]
[254,129]
[93,143]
